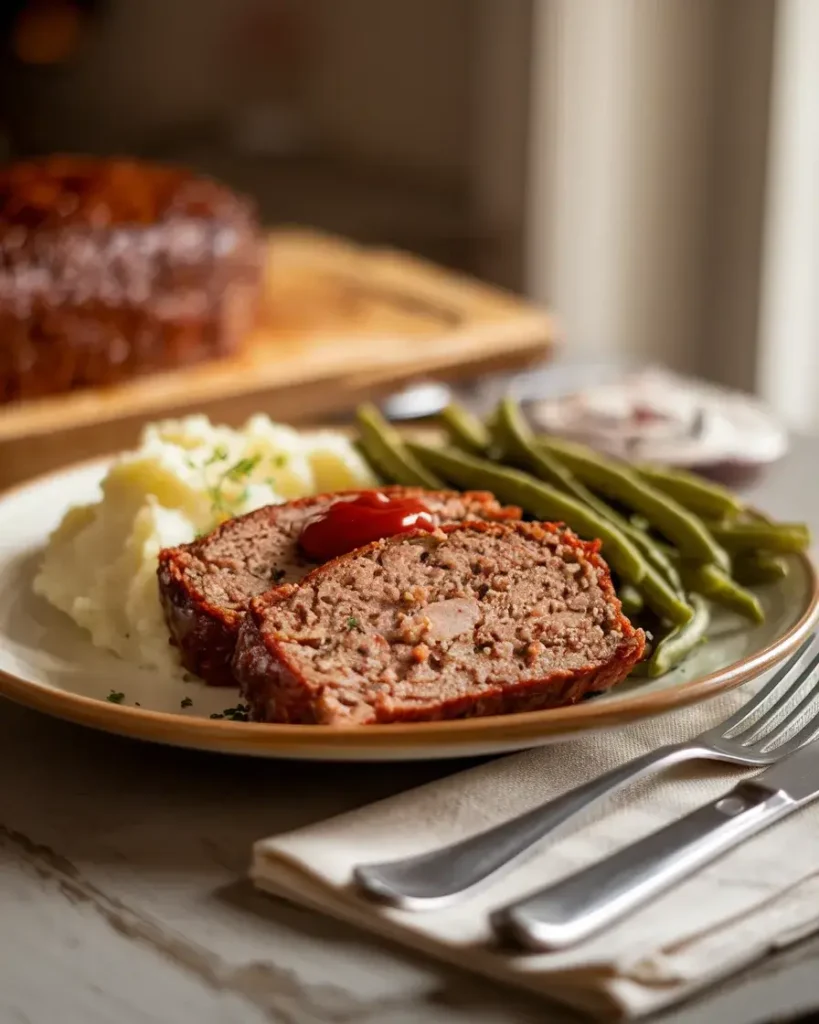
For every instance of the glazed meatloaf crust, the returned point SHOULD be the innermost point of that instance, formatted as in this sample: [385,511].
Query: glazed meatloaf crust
[205,586]
[112,268]
[474,619]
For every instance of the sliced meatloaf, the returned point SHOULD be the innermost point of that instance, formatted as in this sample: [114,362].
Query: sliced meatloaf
[205,586]
[474,619]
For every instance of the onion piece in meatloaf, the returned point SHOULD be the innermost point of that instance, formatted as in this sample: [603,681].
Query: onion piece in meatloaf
[474,619]
[205,586]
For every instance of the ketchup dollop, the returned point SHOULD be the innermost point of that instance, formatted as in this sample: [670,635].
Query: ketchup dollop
[346,525]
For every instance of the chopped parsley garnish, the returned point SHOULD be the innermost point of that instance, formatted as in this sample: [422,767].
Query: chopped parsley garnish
[243,467]
[279,575]
[186,702]
[219,454]
[352,622]
[280,461]
[241,713]
[115,698]
[240,470]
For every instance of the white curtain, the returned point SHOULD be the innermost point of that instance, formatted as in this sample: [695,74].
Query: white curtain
[788,366]
[673,200]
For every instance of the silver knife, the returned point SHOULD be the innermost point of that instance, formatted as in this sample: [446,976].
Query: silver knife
[584,903]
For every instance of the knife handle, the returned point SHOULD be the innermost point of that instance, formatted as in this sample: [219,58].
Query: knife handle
[584,903]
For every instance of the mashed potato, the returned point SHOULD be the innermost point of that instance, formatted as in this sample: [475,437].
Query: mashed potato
[185,478]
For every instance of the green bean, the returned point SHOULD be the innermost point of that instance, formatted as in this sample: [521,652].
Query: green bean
[538,499]
[679,642]
[706,499]
[631,599]
[512,435]
[464,430]
[385,448]
[716,524]
[717,586]
[780,538]
[658,559]
[359,447]
[758,569]
[663,599]
[513,438]
[666,515]
[713,582]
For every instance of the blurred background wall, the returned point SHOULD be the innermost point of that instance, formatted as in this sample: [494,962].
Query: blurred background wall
[648,176]
[648,168]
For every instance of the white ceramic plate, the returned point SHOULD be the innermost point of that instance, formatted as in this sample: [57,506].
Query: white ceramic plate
[49,663]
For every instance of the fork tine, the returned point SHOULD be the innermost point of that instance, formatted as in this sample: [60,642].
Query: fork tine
[772,686]
[769,739]
[806,735]
[758,732]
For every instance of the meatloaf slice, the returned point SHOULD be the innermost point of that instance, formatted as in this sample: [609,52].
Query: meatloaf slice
[205,586]
[474,619]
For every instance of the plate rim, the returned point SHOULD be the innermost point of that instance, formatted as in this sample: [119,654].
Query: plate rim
[265,739]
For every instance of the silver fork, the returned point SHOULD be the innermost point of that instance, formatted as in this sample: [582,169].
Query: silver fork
[441,876]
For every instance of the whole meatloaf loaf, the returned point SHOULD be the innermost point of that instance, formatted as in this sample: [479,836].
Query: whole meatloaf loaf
[111,268]
[205,586]
[474,619]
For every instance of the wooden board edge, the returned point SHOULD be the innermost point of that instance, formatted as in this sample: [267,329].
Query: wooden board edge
[529,332]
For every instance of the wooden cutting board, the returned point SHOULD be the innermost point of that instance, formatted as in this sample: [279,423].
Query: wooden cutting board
[341,322]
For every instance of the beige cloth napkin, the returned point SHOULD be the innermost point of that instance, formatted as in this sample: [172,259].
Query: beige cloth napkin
[762,895]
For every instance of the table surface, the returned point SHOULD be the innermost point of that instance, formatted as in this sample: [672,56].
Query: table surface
[123,896]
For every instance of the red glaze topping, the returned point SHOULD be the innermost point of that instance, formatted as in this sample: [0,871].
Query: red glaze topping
[347,525]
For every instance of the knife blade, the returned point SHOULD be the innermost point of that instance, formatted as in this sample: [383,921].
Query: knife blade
[797,775]
[588,901]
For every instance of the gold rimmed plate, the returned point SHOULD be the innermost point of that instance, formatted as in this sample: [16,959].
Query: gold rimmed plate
[49,663]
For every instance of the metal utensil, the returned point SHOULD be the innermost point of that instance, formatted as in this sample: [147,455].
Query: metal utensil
[746,738]
[590,900]
[423,398]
